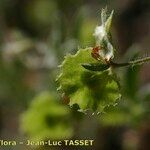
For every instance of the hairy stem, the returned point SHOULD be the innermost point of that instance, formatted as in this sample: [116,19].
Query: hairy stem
[139,61]
[135,62]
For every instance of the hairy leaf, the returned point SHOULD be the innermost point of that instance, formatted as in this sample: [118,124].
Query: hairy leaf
[89,89]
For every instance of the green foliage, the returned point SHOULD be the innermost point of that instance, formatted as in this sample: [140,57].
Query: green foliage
[133,109]
[89,89]
[46,118]
[96,66]
[90,82]
[28,63]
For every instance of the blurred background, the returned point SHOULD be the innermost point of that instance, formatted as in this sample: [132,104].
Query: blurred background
[35,35]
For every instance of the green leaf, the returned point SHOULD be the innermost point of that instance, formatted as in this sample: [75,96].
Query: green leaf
[106,19]
[109,22]
[46,118]
[95,66]
[89,89]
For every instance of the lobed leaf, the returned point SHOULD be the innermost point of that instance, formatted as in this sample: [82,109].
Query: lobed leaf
[89,89]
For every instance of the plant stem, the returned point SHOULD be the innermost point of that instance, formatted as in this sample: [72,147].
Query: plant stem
[134,62]
[139,61]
